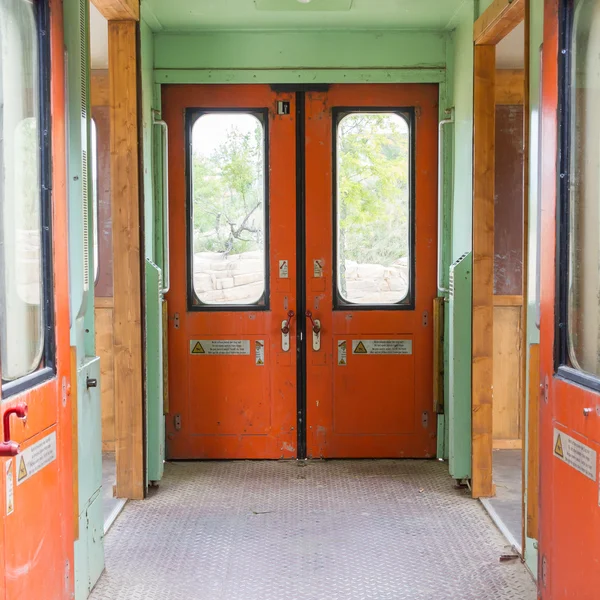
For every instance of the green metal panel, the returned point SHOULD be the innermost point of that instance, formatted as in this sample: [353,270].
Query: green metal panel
[459,408]
[155,420]
[192,15]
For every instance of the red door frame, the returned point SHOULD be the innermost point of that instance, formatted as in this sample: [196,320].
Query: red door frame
[569,502]
[39,535]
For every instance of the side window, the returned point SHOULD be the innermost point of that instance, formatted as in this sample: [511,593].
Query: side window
[580,195]
[228,209]
[25,314]
[373,213]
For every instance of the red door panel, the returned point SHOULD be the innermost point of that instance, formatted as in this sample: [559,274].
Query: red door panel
[373,405]
[240,404]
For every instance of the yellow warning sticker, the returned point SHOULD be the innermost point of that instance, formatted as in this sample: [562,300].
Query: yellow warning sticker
[10,488]
[198,349]
[36,457]
[342,353]
[359,348]
[382,346]
[220,347]
[259,352]
[574,453]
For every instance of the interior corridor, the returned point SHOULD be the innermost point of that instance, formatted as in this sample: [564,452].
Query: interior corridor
[381,530]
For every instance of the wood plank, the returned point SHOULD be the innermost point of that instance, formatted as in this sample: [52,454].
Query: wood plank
[508,444]
[118,10]
[100,302]
[75,441]
[497,21]
[99,88]
[510,86]
[438,355]
[507,373]
[508,300]
[483,270]
[108,446]
[105,350]
[129,438]
[533,453]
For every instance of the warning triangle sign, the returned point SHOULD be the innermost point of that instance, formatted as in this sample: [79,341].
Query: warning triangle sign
[360,349]
[558,449]
[22,470]
[342,362]
[198,349]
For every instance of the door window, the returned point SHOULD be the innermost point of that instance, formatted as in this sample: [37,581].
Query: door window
[581,193]
[373,208]
[25,311]
[228,190]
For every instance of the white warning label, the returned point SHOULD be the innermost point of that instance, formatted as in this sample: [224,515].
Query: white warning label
[219,347]
[10,487]
[259,352]
[35,458]
[318,268]
[284,269]
[342,353]
[575,454]
[381,346]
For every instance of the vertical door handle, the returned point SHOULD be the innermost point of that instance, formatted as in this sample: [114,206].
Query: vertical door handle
[285,331]
[8,447]
[316,329]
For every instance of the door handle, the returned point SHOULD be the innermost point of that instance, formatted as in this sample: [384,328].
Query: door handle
[316,329]
[8,447]
[285,331]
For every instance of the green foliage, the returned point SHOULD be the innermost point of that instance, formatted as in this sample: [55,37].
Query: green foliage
[373,188]
[229,195]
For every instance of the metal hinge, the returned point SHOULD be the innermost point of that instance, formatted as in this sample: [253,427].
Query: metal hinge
[177,421]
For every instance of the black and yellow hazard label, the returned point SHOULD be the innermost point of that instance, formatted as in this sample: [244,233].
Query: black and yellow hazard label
[359,349]
[198,349]
[22,470]
[558,447]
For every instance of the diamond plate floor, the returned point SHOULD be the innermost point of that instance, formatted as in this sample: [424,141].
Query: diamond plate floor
[335,530]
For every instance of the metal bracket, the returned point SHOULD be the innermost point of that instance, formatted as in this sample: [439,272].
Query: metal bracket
[285,336]
[317,336]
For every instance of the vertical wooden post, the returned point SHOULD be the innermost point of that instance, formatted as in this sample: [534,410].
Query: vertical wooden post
[483,269]
[129,446]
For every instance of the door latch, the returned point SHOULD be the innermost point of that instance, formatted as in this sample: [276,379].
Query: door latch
[285,331]
[316,329]
[8,447]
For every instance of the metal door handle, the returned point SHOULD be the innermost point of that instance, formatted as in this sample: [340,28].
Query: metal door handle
[316,329]
[165,202]
[285,331]
[8,447]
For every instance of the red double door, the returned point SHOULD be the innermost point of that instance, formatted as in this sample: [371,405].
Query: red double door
[303,249]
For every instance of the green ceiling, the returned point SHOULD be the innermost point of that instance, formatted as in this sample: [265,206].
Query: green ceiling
[194,15]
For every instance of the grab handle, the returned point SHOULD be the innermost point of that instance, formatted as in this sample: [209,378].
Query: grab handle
[165,202]
[440,283]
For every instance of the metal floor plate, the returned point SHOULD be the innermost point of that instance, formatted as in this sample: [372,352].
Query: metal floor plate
[347,530]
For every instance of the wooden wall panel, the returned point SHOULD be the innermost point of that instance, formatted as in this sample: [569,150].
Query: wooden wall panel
[507,376]
[510,86]
[508,201]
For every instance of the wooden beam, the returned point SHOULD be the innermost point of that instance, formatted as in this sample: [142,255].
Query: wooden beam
[483,270]
[118,10]
[498,20]
[508,444]
[510,86]
[508,300]
[99,88]
[129,439]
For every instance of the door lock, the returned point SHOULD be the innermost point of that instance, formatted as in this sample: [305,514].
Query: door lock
[285,331]
[316,329]
[8,447]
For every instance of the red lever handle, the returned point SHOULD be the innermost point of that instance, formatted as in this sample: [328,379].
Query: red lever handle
[8,447]
[286,328]
[316,328]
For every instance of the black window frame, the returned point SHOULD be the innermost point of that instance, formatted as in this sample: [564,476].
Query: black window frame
[408,113]
[194,304]
[562,364]
[46,369]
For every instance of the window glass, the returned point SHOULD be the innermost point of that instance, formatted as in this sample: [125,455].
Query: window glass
[21,291]
[373,208]
[584,189]
[95,215]
[228,209]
